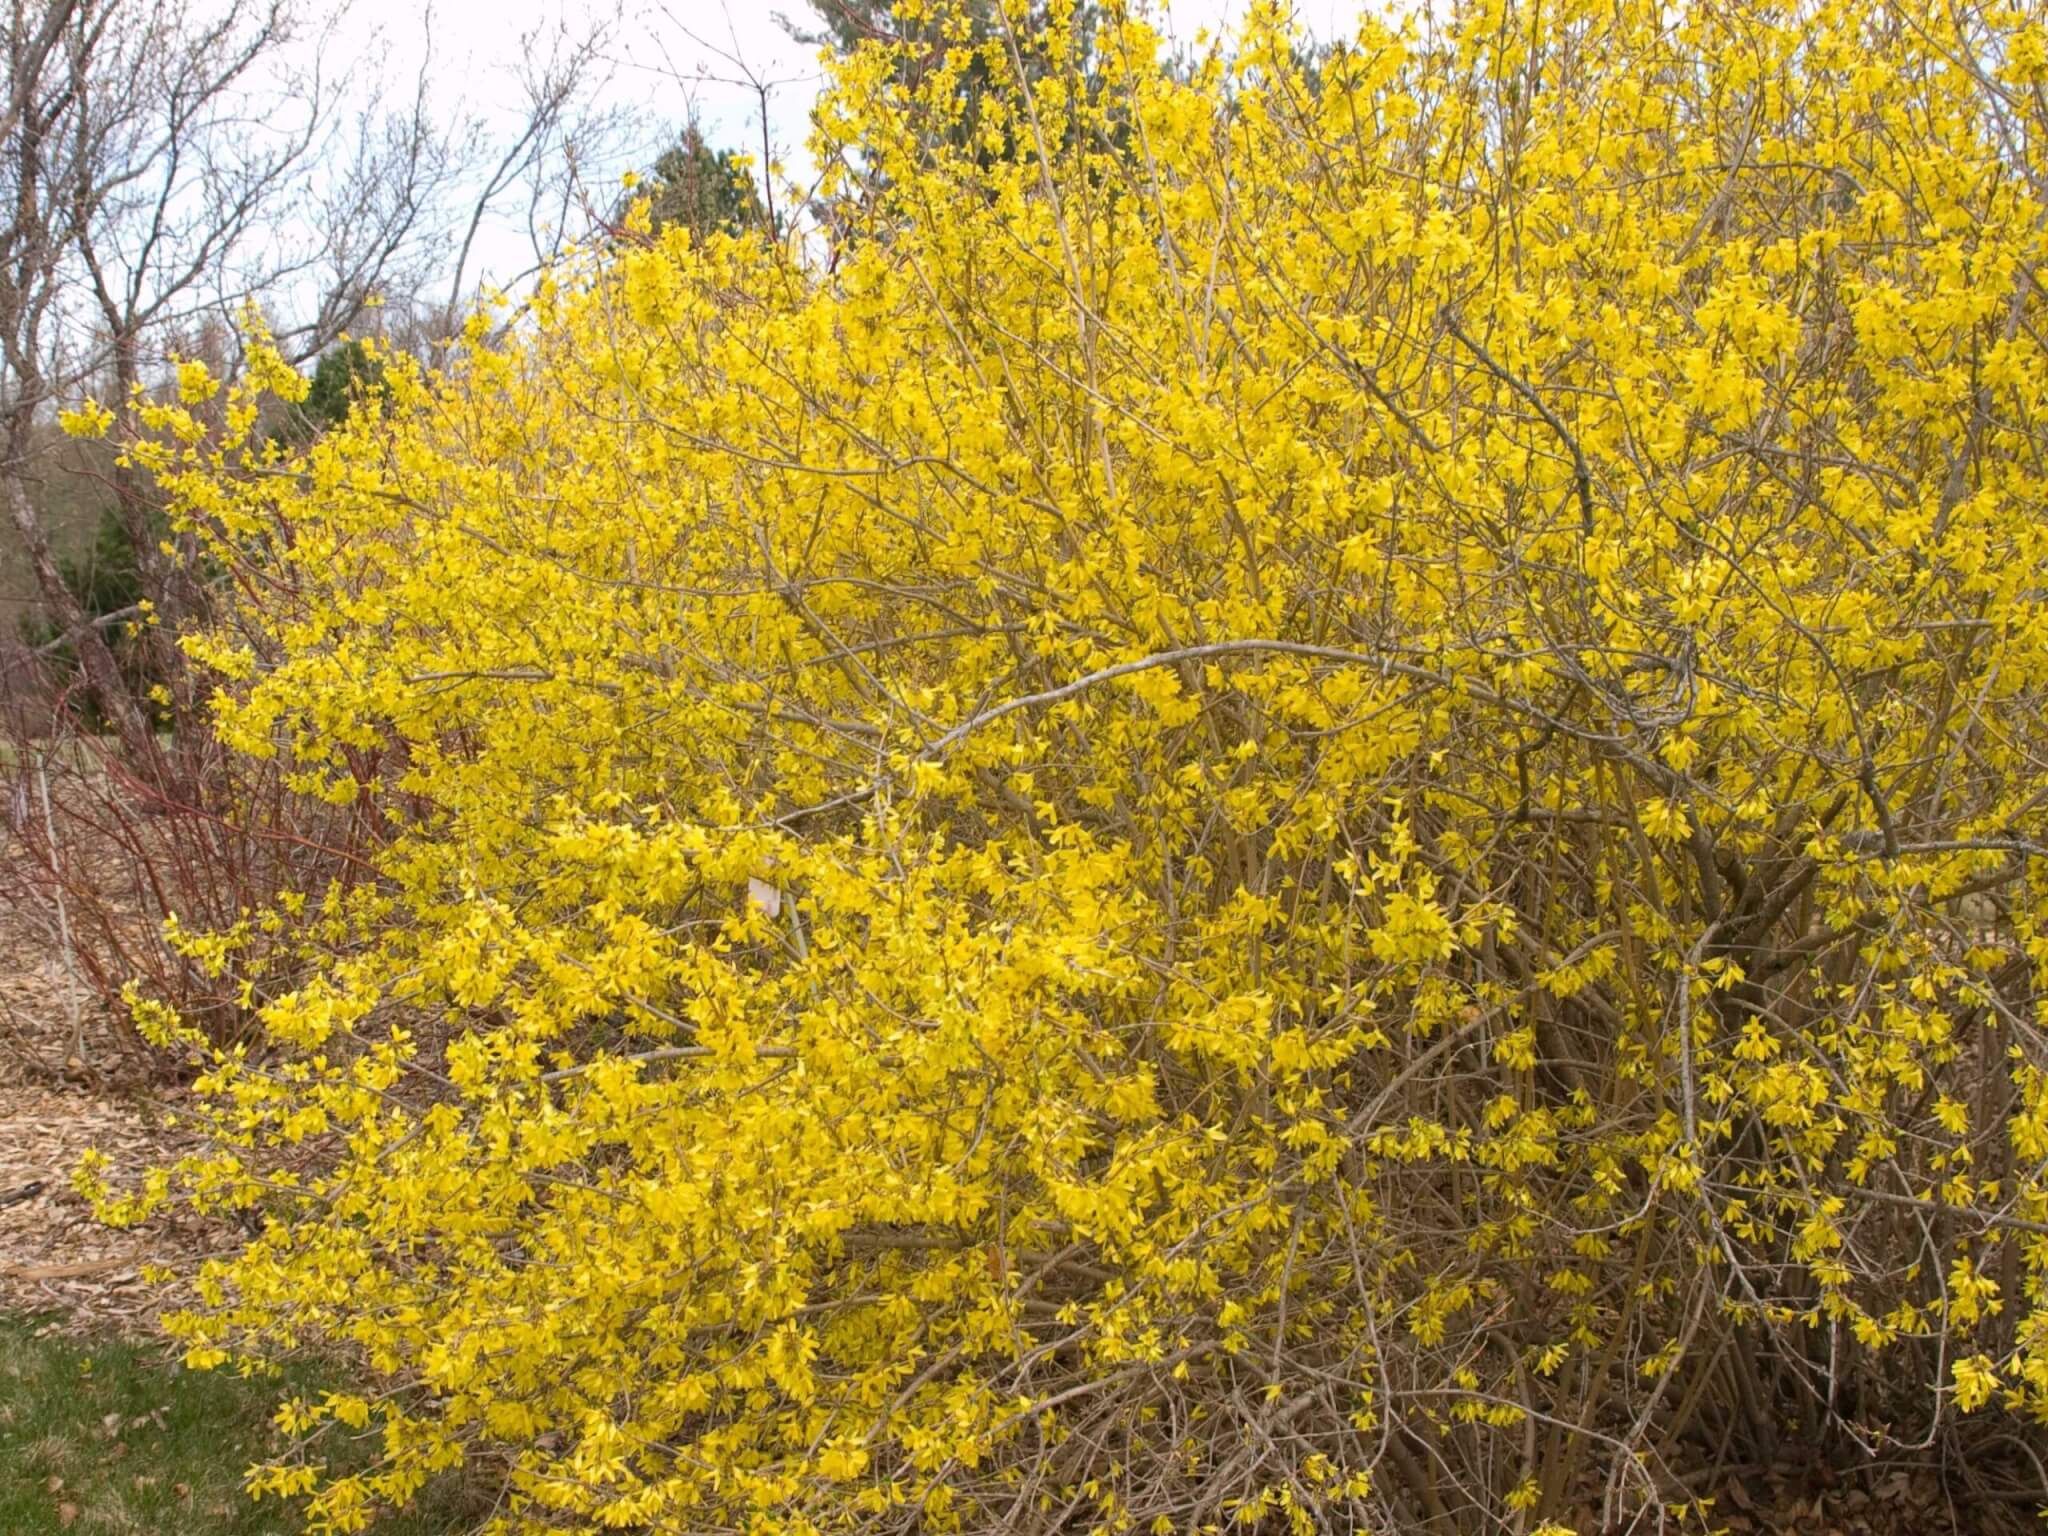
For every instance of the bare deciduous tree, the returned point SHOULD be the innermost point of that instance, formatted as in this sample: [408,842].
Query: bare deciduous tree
[166,164]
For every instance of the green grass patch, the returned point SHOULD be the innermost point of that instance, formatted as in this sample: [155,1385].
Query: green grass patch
[109,1437]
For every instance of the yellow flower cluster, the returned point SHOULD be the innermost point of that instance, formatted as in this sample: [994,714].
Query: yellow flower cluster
[1313,799]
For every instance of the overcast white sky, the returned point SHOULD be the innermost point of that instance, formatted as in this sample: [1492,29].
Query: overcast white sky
[669,57]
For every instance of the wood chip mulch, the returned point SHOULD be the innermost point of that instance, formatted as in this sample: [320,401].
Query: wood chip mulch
[62,1091]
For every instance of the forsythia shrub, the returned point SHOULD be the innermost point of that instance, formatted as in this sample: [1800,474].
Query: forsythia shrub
[1314,798]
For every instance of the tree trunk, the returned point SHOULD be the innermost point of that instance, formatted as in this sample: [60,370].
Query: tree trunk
[102,673]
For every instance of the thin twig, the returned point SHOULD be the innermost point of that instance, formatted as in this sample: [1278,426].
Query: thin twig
[1582,477]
